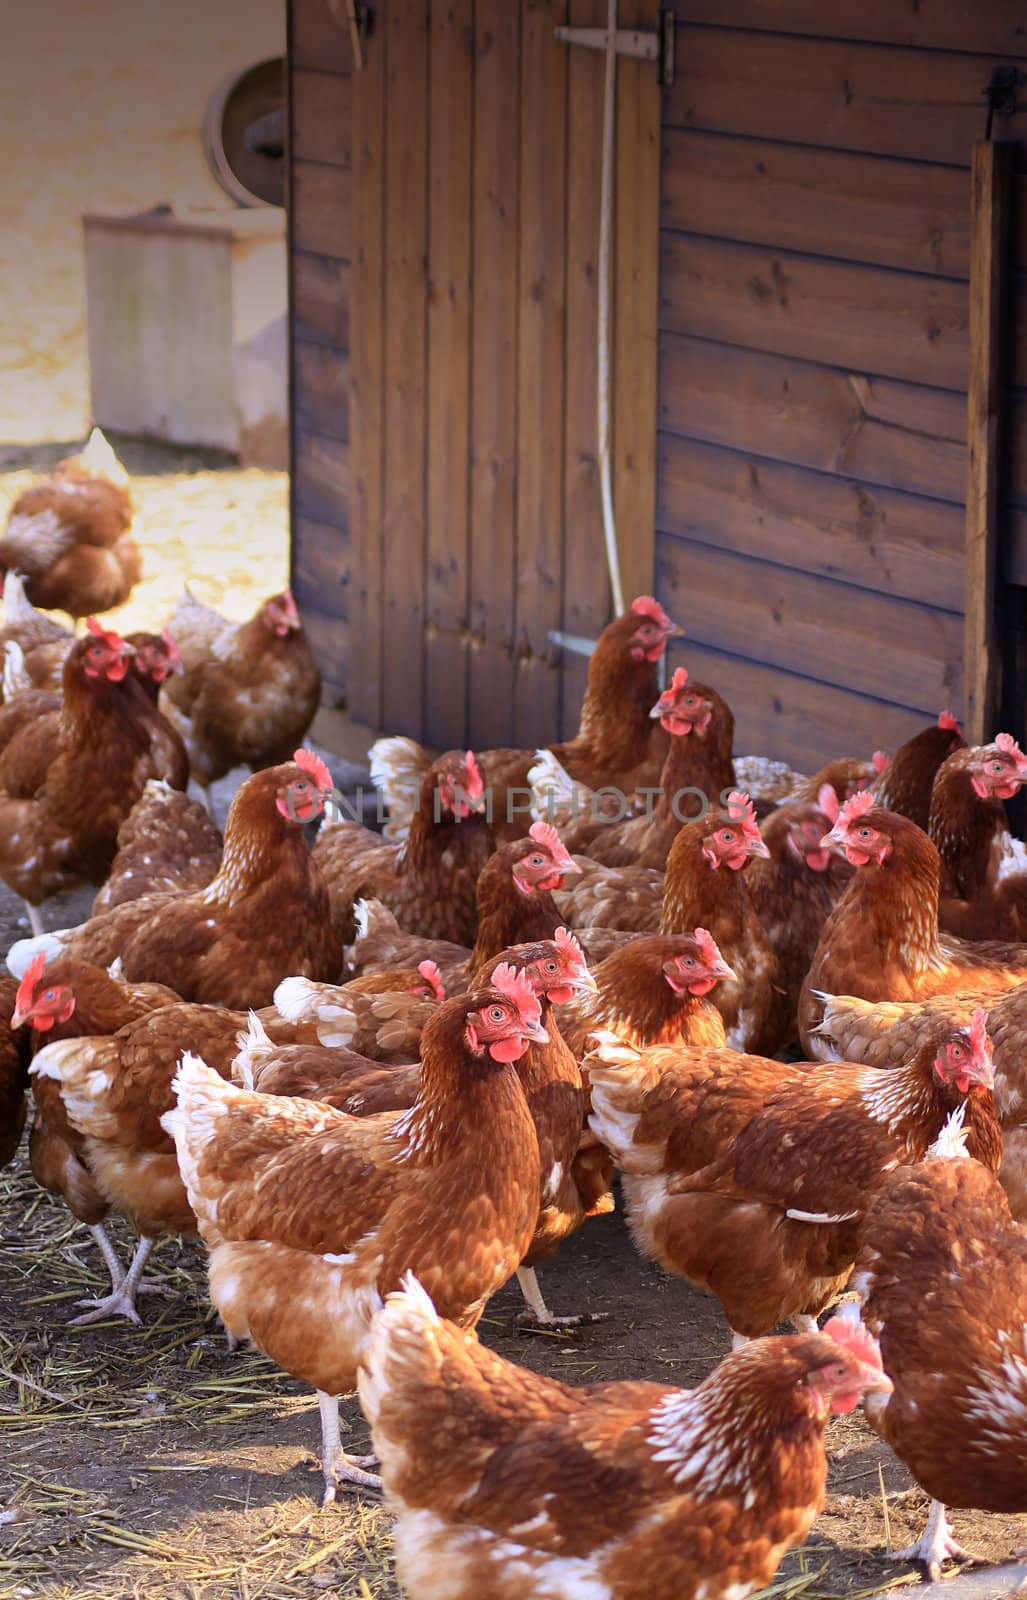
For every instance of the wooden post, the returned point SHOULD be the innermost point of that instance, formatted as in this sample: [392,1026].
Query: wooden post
[989,227]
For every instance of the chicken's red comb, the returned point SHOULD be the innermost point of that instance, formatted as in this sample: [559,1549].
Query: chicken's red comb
[857,805]
[741,809]
[315,766]
[827,800]
[646,606]
[708,947]
[947,720]
[546,835]
[108,635]
[475,782]
[880,758]
[429,970]
[1009,747]
[170,646]
[855,1338]
[517,987]
[980,1043]
[27,987]
[675,687]
[289,605]
[566,942]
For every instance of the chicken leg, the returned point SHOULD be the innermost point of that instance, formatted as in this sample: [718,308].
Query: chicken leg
[538,1314]
[935,1545]
[124,1288]
[35,916]
[337,1466]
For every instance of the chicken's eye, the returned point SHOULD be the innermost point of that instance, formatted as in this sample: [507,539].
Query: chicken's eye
[496,1013]
[688,961]
[997,766]
[49,994]
[552,966]
[956,1052]
[866,833]
[536,861]
[726,836]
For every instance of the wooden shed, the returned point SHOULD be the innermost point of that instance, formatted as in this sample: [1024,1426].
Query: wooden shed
[820,269]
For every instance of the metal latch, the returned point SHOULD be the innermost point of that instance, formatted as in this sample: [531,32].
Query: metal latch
[638,43]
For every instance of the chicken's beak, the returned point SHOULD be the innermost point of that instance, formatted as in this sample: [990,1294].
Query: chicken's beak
[537,1035]
[983,1072]
[873,1381]
[758,848]
[833,841]
[720,969]
[567,867]
[659,709]
[672,631]
[19,1018]
[583,982]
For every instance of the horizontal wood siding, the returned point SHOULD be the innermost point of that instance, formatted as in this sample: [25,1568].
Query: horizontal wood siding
[814,264]
[320,86]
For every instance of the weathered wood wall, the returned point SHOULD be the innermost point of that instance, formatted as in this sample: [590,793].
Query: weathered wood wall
[449,193]
[813,357]
[320,231]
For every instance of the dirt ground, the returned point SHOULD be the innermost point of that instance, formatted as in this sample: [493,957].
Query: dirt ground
[148,1462]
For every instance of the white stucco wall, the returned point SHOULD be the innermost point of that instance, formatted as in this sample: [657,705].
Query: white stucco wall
[103,101]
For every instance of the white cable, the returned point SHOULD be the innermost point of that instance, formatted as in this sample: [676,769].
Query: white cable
[605,252]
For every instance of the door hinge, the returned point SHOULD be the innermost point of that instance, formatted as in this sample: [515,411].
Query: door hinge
[641,44]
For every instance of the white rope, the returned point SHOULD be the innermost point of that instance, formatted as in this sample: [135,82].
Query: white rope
[605,254]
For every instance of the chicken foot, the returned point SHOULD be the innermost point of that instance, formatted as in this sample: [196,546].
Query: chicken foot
[935,1545]
[337,1466]
[124,1288]
[112,1261]
[538,1314]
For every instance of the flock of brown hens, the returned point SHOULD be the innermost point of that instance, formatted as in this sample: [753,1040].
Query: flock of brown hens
[381,1075]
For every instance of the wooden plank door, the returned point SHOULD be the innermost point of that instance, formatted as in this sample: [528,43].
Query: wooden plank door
[477,141]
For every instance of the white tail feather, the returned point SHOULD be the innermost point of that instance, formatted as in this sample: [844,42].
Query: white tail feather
[555,797]
[255,1050]
[15,676]
[24,951]
[99,457]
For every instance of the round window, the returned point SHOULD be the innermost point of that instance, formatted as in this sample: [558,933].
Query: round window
[244,134]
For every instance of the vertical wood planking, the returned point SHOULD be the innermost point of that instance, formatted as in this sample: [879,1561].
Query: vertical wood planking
[405,297]
[636,306]
[367,343]
[586,590]
[290,268]
[494,317]
[989,219]
[449,337]
[540,386]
